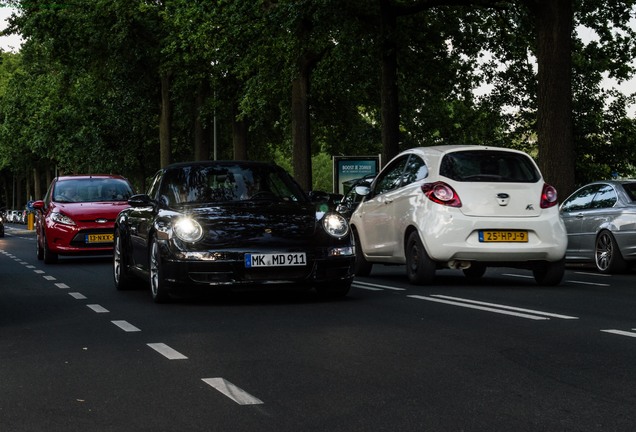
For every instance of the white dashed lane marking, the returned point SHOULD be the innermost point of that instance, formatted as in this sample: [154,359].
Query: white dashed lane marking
[125,326]
[620,332]
[97,308]
[233,392]
[166,351]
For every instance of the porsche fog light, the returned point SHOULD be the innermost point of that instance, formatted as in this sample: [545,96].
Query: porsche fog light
[188,230]
[335,225]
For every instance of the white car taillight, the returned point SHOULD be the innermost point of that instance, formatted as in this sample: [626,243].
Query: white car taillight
[548,196]
[441,193]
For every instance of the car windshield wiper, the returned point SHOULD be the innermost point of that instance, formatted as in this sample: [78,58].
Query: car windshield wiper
[265,196]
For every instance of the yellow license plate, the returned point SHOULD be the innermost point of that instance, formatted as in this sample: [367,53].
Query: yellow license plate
[99,238]
[503,236]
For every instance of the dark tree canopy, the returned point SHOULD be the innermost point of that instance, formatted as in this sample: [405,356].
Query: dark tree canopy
[128,85]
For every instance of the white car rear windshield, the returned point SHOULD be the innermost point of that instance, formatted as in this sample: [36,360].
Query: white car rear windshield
[489,166]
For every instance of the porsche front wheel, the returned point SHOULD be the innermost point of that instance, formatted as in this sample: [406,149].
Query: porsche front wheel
[121,274]
[158,285]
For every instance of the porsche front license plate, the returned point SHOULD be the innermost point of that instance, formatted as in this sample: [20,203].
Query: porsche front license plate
[99,238]
[503,236]
[275,260]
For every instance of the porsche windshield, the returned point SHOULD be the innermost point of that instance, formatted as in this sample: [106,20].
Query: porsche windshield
[194,184]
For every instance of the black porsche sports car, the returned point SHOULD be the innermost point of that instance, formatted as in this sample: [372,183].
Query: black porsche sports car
[228,224]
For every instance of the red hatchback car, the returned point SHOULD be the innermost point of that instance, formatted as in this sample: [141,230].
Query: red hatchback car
[77,215]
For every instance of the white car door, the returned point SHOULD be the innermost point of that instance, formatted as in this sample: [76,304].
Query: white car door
[385,215]
[374,217]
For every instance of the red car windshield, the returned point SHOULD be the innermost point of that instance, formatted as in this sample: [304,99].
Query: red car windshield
[91,190]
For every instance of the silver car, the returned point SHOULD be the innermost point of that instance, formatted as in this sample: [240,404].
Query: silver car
[600,219]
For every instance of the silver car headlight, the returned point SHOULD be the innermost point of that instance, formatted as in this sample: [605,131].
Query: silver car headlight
[188,230]
[335,225]
[62,219]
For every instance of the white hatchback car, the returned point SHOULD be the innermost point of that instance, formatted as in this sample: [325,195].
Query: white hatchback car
[463,207]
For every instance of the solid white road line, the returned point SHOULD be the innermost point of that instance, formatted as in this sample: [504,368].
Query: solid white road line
[505,307]
[355,285]
[518,275]
[97,308]
[488,309]
[376,287]
[588,283]
[125,326]
[233,392]
[620,332]
[166,351]
[593,274]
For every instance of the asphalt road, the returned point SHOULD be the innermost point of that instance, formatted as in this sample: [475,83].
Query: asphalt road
[499,354]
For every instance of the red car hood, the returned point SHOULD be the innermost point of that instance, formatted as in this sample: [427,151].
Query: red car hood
[89,211]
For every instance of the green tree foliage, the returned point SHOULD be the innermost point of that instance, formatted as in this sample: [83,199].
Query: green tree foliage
[85,92]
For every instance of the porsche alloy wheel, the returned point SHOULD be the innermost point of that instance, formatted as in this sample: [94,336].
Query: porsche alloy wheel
[121,274]
[158,285]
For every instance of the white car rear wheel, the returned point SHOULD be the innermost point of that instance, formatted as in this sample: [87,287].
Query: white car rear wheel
[420,268]
[549,273]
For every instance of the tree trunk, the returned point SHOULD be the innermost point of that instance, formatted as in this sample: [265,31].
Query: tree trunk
[239,139]
[27,193]
[201,144]
[18,199]
[37,191]
[390,111]
[301,139]
[164,121]
[554,98]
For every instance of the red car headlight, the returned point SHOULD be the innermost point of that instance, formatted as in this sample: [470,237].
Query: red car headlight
[61,218]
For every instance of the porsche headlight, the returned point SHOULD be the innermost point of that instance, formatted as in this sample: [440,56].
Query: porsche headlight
[62,218]
[335,225]
[188,230]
